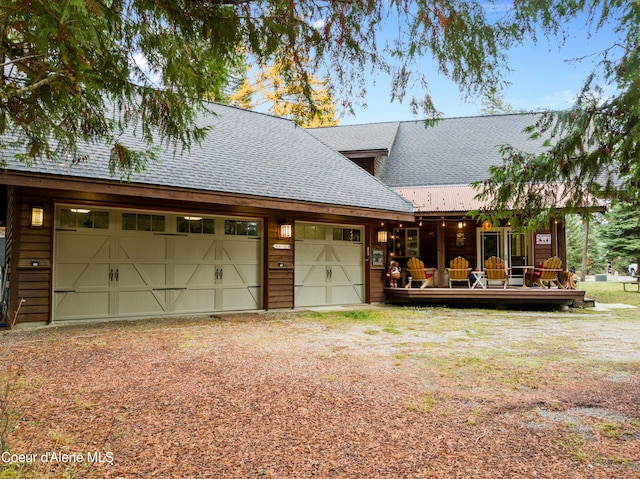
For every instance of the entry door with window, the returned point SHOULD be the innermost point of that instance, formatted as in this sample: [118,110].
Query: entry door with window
[513,248]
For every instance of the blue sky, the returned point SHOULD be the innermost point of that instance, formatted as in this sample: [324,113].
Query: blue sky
[543,77]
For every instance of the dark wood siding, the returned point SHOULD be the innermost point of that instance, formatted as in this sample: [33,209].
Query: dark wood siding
[280,268]
[32,259]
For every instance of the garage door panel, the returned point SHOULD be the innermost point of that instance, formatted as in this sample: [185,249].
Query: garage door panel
[248,275]
[142,247]
[194,274]
[189,248]
[309,274]
[141,302]
[81,305]
[241,298]
[195,301]
[349,294]
[346,274]
[81,275]
[309,295]
[142,274]
[74,245]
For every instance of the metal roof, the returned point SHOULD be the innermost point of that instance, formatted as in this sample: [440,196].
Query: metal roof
[442,199]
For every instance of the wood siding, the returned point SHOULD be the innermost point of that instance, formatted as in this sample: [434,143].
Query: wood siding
[31,261]
[279,277]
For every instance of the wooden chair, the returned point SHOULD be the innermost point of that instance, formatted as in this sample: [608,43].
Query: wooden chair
[496,271]
[459,271]
[547,275]
[416,272]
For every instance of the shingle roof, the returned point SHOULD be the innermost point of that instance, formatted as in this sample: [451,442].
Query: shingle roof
[455,151]
[374,136]
[251,154]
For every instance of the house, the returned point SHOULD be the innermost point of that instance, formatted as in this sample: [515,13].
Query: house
[260,216]
[433,167]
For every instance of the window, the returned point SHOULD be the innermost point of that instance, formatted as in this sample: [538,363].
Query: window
[195,225]
[310,232]
[241,228]
[405,242]
[84,218]
[143,222]
[346,234]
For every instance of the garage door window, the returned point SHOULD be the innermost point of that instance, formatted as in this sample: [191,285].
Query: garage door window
[84,218]
[241,228]
[346,234]
[310,232]
[195,225]
[143,222]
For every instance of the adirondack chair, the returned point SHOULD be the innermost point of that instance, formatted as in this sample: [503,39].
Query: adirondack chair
[417,273]
[547,275]
[496,272]
[459,271]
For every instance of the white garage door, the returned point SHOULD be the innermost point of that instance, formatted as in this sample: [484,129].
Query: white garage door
[329,265]
[112,263]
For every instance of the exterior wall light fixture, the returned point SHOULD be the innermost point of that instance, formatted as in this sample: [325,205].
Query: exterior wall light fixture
[285,230]
[37,217]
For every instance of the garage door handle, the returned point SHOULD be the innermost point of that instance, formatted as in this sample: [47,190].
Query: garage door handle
[117,274]
[111,275]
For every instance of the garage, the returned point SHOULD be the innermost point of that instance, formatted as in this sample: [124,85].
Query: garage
[111,263]
[329,267]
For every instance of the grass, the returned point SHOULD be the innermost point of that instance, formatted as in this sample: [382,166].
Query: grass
[610,292]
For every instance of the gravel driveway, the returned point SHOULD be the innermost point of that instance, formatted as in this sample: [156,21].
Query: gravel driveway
[380,392]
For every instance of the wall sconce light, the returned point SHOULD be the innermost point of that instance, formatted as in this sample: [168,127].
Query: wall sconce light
[460,225]
[37,216]
[285,230]
[382,236]
[443,222]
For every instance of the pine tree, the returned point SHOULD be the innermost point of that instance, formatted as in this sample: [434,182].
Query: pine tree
[621,234]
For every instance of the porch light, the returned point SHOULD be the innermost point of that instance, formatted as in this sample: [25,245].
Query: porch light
[443,222]
[285,230]
[37,216]
[382,236]
[460,225]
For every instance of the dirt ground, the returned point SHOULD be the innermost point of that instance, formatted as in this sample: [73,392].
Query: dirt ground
[376,393]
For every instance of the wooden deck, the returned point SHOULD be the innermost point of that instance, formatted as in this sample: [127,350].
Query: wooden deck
[515,297]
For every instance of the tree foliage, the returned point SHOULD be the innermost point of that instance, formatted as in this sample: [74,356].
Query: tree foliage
[621,233]
[300,96]
[83,70]
[590,151]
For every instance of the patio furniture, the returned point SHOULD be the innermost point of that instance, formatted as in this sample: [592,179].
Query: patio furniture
[416,272]
[478,276]
[547,275]
[496,271]
[459,271]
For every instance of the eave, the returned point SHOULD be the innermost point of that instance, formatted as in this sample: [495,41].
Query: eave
[75,184]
